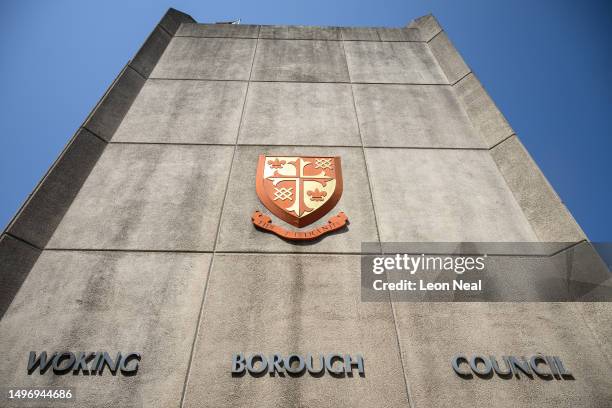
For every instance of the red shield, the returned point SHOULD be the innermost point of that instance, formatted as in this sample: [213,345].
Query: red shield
[299,190]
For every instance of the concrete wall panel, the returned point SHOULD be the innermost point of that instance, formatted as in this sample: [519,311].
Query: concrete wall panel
[114,302]
[44,210]
[482,110]
[149,197]
[449,59]
[432,333]
[300,60]
[168,111]
[206,58]
[359,34]
[172,20]
[293,304]
[299,113]
[551,221]
[392,62]
[399,34]
[218,30]
[443,196]
[17,258]
[110,111]
[300,32]
[427,25]
[413,116]
[150,52]
[237,233]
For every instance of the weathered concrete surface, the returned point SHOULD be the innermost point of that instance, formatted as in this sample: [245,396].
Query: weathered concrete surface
[598,319]
[186,111]
[108,114]
[359,33]
[206,58]
[280,113]
[44,210]
[114,302]
[218,30]
[237,233]
[148,197]
[16,259]
[449,59]
[300,60]
[172,20]
[392,62]
[427,25]
[432,333]
[482,110]
[300,32]
[286,304]
[148,55]
[542,207]
[399,34]
[443,196]
[413,116]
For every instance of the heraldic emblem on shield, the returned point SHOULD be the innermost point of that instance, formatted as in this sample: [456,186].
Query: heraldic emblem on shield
[299,191]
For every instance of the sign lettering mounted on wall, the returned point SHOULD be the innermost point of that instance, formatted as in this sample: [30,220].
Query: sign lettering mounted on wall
[335,364]
[479,365]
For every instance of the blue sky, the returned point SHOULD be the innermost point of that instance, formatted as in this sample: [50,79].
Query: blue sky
[547,65]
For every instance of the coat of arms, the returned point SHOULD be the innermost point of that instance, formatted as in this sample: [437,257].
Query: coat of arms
[299,190]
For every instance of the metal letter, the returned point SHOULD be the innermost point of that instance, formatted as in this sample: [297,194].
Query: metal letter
[487,365]
[329,363]
[533,362]
[59,358]
[310,364]
[124,362]
[41,362]
[349,363]
[252,359]
[456,361]
[301,365]
[237,363]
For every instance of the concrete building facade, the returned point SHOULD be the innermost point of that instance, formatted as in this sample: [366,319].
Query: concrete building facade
[139,237]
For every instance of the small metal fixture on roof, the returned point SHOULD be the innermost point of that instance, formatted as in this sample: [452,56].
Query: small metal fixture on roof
[229,22]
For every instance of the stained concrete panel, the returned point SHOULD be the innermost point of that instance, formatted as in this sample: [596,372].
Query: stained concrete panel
[549,217]
[185,111]
[300,32]
[172,20]
[359,33]
[237,232]
[432,333]
[206,58]
[218,30]
[17,259]
[45,208]
[110,111]
[413,116]
[399,34]
[293,304]
[283,113]
[482,110]
[154,197]
[300,60]
[443,196]
[392,62]
[114,302]
[150,52]
[427,25]
[449,59]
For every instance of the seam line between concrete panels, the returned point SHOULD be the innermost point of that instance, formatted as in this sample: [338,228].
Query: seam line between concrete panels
[365,162]
[8,234]
[299,82]
[297,39]
[212,259]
